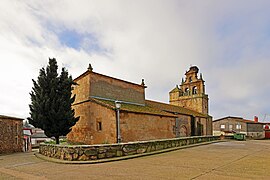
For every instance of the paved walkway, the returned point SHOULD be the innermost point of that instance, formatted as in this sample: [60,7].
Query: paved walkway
[225,160]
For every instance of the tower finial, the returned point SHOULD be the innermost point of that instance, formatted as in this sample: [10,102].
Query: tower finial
[182,81]
[201,76]
[90,67]
[143,84]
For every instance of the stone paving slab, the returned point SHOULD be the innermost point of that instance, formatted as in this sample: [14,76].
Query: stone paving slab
[224,160]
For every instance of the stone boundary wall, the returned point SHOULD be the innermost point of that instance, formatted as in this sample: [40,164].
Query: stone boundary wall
[103,151]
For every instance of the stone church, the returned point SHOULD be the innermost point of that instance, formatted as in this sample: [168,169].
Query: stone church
[112,110]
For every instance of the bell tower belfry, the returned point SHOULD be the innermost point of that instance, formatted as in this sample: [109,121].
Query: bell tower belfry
[191,93]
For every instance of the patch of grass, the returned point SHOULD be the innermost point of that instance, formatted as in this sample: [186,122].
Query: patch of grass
[61,141]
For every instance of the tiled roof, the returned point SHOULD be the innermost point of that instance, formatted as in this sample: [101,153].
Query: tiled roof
[176,89]
[174,109]
[9,117]
[39,135]
[238,119]
[227,117]
[250,121]
[133,108]
[151,107]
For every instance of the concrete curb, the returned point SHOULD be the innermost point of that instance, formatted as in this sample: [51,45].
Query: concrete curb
[123,157]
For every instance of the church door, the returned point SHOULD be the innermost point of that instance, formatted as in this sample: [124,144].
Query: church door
[183,131]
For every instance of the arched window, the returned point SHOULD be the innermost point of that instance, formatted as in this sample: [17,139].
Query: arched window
[186,91]
[190,79]
[195,90]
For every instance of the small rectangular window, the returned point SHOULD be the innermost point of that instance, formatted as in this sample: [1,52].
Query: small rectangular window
[222,126]
[238,126]
[99,126]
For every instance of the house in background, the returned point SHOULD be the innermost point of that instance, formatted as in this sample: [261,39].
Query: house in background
[230,125]
[113,110]
[33,136]
[38,136]
[11,134]
[27,132]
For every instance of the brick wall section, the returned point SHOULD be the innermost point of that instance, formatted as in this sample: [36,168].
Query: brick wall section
[86,129]
[82,90]
[111,88]
[11,138]
[96,152]
[139,127]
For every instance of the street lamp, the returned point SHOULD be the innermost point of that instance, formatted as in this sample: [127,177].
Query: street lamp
[118,106]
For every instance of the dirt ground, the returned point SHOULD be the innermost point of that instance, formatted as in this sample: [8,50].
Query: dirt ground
[225,160]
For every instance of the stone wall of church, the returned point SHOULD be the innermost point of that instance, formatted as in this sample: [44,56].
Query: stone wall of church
[82,89]
[112,88]
[97,124]
[92,84]
[140,127]
[198,103]
[11,138]
[183,126]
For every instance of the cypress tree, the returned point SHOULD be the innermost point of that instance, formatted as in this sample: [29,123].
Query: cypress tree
[51,101]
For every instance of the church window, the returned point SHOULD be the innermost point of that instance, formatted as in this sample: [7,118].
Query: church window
[190,79]
[194,90]
[99,126]
[186,91]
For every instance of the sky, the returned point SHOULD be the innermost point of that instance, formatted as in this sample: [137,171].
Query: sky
[155,40]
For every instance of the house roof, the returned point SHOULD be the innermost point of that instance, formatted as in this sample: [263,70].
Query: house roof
[228,117]
[238,119]
[27,132]
[151,107]
[176,89]
[174,109]
[133,108]
[251,122]
[39,135]
[9,117]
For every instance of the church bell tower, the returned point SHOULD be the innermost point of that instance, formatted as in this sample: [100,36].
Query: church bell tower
[191,93]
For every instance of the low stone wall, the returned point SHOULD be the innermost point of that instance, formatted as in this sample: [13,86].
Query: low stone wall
[102,151]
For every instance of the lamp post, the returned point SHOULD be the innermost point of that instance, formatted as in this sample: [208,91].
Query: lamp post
[118,106]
